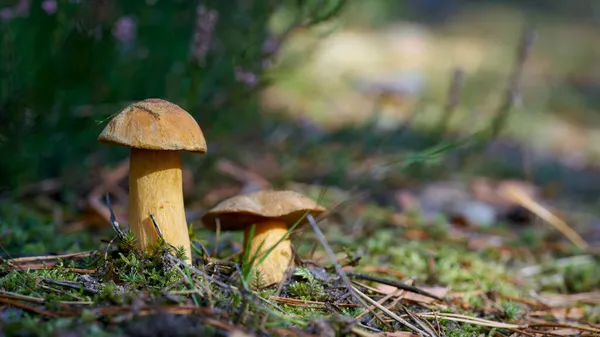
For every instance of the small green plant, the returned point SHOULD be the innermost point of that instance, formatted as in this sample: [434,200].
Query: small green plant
[128,243]
[511,310]
[582,278]
[308,288]
[146,269]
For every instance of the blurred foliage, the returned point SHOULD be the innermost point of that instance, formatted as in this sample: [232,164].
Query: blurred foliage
[66,69]
[379,13]
[30,232]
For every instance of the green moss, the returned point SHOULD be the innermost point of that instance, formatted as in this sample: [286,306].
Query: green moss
[583,277]
[453,264]
[307,314]
[452,329]
[145,271]
[307,288]
[511,310]
[34,233]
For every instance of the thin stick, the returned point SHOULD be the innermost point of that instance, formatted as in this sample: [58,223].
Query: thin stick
[562,325]
[513,89]
[337,266]
[19,260]
[471,320]
[15,296]
[422,323]
[453,99]
[108,246]
[61,292]
[512,92]
[362,333]
[71,285]
[38,300]
[157,227]
[113,219]
[381,301]
[393,283]
[160,233]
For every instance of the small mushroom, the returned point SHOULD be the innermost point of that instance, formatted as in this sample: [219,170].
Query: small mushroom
[272,213]
[156,130]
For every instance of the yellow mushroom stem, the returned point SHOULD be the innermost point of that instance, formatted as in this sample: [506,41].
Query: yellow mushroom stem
[272,269]
[155,187]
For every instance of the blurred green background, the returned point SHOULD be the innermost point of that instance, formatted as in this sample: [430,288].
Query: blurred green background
[245,67]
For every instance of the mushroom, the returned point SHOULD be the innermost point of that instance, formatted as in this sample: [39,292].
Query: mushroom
[272,213]
[156,130]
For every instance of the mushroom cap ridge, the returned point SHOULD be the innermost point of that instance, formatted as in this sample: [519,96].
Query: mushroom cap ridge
[155,124]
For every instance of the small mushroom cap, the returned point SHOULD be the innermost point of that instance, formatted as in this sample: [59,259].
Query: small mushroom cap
[155,124]
[244,210]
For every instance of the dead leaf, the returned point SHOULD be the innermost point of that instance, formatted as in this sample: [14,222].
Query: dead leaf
[416,234]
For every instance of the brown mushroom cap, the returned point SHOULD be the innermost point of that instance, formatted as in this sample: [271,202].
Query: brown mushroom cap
[155,124]
[244,210]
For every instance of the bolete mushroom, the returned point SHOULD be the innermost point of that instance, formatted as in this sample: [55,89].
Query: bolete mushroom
[156,130]
[272,213]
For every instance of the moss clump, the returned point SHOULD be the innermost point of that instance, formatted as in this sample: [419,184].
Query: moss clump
[148,270]
[307,287]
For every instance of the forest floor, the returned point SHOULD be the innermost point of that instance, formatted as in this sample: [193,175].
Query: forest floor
[475,248]
[434,231]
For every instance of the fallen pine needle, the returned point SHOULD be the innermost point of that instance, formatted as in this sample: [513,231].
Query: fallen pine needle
[20,260]
[15,296]
[562,325]
[389,313]
[526,201]
[362,333]
[37,300]
[306,303]
[471,320]
[49,266]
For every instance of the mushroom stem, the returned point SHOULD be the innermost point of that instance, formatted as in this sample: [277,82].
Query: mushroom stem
[268,233]
[155,187]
